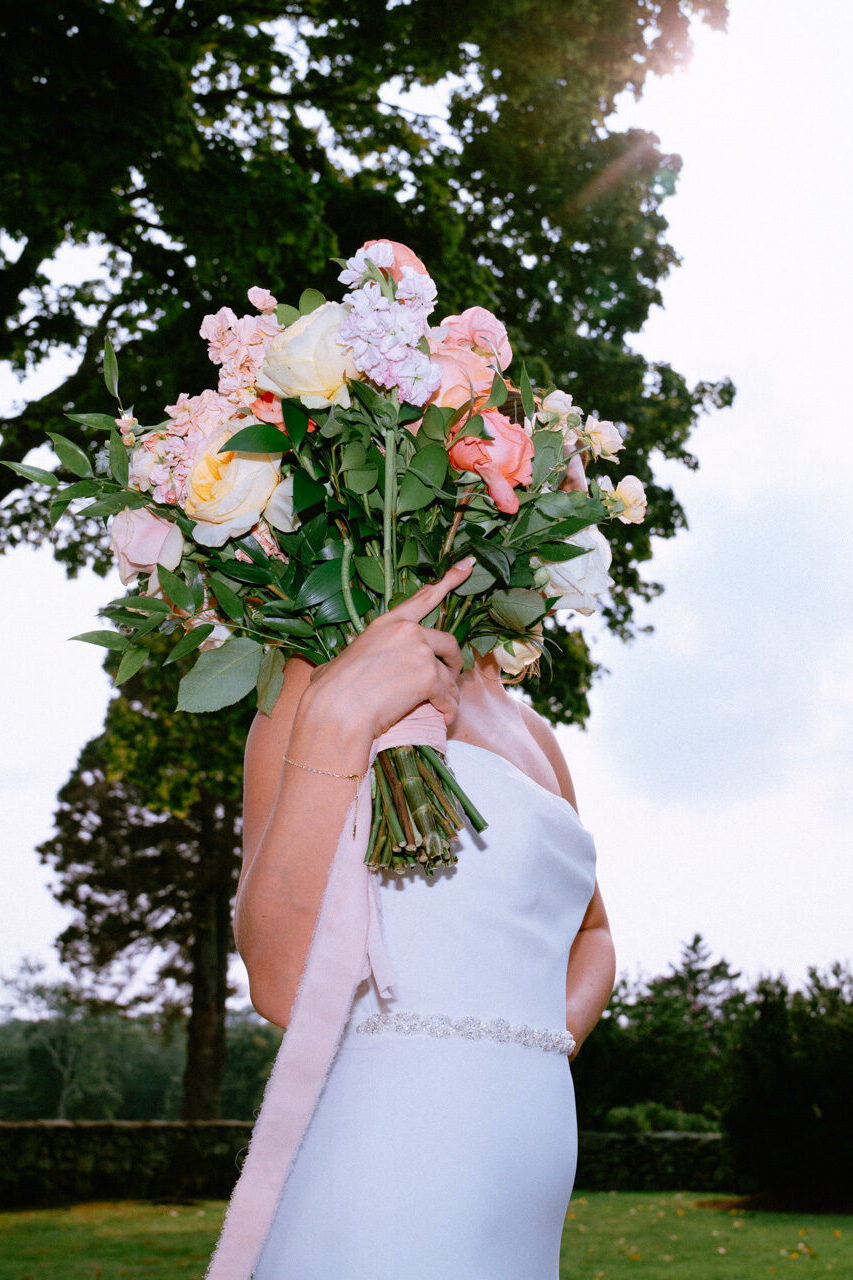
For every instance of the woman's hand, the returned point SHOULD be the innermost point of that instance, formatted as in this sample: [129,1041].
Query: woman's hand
[393,666]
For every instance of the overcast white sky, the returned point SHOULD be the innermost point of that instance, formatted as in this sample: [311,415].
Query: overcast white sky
[716,772]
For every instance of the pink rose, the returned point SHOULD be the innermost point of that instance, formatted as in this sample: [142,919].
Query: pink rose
[483,332]
[267,408]
[141,540]
[465,376]
[262,299]
[503,462]
[403,257]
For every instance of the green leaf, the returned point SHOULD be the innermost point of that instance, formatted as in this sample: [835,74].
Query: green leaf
[97,421]
[411,554]
[258,574]
[493,557]
[106,639]
[517,608]
[430,464]
[434,425]
[498,393]
[306,491]
[176,590]
[295,422]
[113,502]
[310,300]
[548,454]
[526,393]
[410,412]
[221,676]
[475,429]
[131,660]
[413,494]
[80,489]
[479,579]
[148,604]
[37,474]
[321,583]
[334,610]
[371,573]
[260,437]
[110,367]
[362,480]
[189,642]
[353,455]
[554,551]
[286,314]
[119,462]
[270,680]
[228,600]
[71,456]
[289,626]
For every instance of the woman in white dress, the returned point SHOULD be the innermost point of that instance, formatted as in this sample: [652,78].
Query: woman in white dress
[443,1145]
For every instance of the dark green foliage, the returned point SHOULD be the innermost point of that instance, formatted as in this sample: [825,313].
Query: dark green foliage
[788,1115]
[188,152]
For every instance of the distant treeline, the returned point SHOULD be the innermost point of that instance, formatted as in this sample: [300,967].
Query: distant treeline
[691,1050]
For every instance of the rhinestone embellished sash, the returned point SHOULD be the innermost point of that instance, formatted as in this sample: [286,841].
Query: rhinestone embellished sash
[442,1026]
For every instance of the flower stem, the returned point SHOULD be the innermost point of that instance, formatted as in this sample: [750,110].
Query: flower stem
[388,513]
[346,589]
[478,822]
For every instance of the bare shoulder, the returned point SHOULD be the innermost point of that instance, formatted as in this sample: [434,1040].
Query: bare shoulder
[547,740]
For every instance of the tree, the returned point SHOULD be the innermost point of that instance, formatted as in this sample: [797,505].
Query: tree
[207,147]
[147,850]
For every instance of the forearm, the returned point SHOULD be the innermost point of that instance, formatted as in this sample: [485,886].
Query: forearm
[281,890]
[589,980]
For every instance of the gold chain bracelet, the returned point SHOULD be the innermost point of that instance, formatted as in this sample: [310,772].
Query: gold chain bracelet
[329,773]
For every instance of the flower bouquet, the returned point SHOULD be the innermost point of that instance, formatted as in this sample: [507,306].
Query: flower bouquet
[349,453]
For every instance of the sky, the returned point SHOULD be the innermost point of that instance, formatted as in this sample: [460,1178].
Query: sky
[715,772]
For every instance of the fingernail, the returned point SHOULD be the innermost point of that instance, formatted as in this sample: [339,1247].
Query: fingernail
[467,563]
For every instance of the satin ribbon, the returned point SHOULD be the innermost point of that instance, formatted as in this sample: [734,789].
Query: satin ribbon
[346,948]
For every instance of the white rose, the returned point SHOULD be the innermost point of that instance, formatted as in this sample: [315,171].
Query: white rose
[605,438]
[558,403]
[279,510]
[580,582]
[308,361]
[515,655]
[630,492]
[226,492]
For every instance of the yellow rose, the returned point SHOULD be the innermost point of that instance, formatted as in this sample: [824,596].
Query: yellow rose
[306,360]
[226,492]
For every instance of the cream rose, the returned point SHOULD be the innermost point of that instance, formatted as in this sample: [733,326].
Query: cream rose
[141,540]
[515,655]
[581,581]
[605,438]
[226,492]
[308,361]
[630,492]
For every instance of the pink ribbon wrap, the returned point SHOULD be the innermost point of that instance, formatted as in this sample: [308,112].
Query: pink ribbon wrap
[345,948]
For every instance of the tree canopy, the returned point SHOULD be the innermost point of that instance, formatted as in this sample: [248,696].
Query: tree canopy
[200,148]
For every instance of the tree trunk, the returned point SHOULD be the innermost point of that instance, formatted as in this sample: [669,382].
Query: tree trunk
[209,952]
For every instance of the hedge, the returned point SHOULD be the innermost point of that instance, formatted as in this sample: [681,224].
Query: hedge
[44,1162]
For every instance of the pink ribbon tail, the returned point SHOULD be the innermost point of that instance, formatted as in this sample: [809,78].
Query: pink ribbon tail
[346,947]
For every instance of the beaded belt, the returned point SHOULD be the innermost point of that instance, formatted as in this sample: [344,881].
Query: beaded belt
[441,1026]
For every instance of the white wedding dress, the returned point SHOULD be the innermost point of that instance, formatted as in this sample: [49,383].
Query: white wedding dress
[434,1154]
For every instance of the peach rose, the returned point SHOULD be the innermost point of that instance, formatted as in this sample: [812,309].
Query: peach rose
[141,540]
[630,492]
[267,408]
[483,332]
[503,462]
[403,257]
[465,376]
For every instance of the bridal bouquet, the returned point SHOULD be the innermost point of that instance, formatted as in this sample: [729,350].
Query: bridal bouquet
[349,453]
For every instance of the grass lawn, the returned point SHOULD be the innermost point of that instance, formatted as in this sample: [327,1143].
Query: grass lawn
[608,1236]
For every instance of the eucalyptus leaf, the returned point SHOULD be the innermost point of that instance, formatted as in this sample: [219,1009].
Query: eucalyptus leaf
[131,660]
[362,480]
[71,456]
[189,642]
[498,393]
[310,300]
[354,454]
[479,579]
[286,315]
[434,425]
[549,449]
[270,680]
[110,367]
[413,494]
[430,464]
[517,608]
[221,676]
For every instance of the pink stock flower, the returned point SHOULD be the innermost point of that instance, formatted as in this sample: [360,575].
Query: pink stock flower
[502,462]
[402,256]
[141,540]
[465,376]
[483,332]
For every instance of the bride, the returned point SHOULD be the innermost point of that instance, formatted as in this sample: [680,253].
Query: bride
[443,1144]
